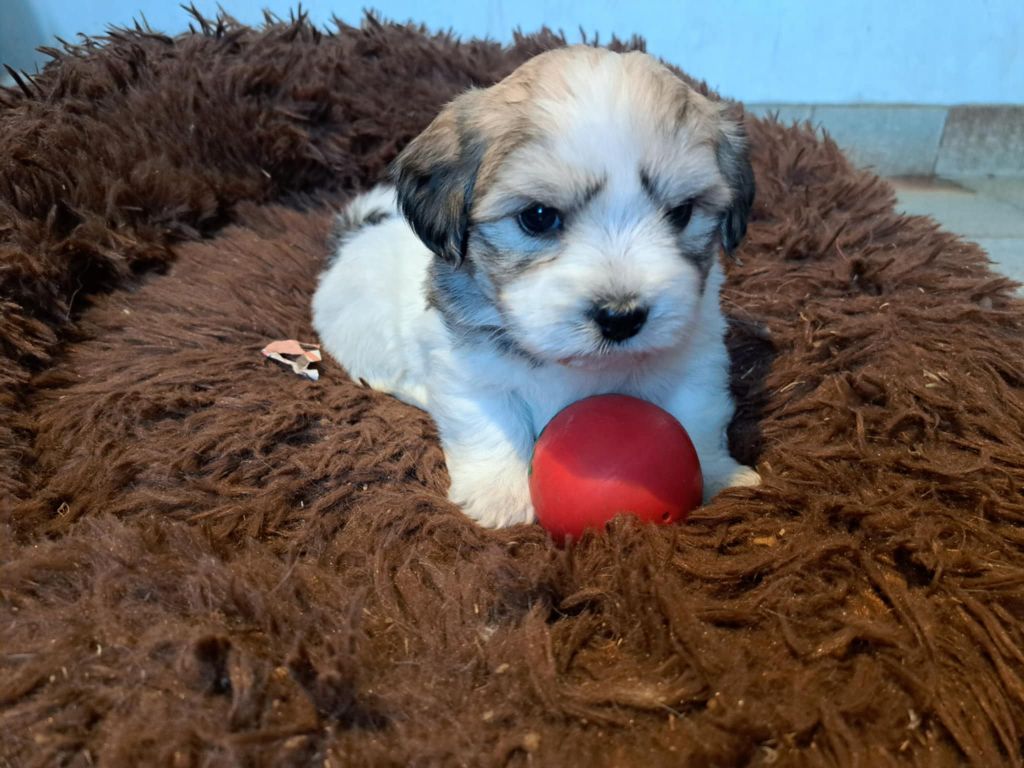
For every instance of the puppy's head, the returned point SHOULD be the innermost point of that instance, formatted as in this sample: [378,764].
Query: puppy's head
[587,196]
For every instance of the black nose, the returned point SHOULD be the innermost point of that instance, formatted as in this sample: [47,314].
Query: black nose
[618,324]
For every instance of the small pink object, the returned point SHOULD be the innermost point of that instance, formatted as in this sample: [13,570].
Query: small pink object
[295,354]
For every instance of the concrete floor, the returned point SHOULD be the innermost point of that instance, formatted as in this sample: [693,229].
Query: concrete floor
[987,210]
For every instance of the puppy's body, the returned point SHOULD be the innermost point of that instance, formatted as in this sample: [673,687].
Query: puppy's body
[493,322]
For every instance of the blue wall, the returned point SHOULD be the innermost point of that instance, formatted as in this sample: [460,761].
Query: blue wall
[786,51]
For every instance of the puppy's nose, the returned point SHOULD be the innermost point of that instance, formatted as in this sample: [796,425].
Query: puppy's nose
[619,324]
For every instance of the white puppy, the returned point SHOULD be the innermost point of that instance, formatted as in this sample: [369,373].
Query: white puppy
[560,239]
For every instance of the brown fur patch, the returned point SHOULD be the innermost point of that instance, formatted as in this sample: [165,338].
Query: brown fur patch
[205,560]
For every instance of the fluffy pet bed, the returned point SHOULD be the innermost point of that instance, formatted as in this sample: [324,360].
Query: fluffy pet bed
[207,560]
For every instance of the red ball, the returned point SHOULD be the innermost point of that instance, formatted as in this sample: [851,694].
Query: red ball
[610,455]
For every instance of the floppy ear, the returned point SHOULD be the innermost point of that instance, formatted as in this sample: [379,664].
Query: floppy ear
[434,176]
[734,162]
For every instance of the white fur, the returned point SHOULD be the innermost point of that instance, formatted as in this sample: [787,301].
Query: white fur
[371,312]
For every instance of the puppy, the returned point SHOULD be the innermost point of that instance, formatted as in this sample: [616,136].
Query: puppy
[552,237]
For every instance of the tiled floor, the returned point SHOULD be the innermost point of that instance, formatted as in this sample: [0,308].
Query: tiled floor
[989,211]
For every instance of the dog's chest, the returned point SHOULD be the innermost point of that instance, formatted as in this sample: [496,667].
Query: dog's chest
[550,389]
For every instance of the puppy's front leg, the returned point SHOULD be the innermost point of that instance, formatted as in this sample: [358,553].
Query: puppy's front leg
[487,440]
[705,409]
[721,470]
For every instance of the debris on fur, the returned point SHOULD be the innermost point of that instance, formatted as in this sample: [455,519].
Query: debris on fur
[296,355]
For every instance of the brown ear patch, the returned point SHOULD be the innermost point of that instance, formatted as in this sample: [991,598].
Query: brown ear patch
[435,176]
[734,161]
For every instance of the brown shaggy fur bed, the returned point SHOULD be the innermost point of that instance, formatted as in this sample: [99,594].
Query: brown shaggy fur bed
[206,560]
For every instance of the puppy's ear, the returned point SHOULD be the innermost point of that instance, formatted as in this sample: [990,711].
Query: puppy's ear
[734,162]
[435,175]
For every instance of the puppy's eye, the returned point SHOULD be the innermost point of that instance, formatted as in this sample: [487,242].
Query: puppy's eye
[680,215]
[540,219]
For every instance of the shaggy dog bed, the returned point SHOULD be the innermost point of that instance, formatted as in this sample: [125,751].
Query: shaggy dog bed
[207,560]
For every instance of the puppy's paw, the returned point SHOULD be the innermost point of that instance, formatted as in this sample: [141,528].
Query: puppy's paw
[492,499]
[744,476]
[724,473]
[492,510]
